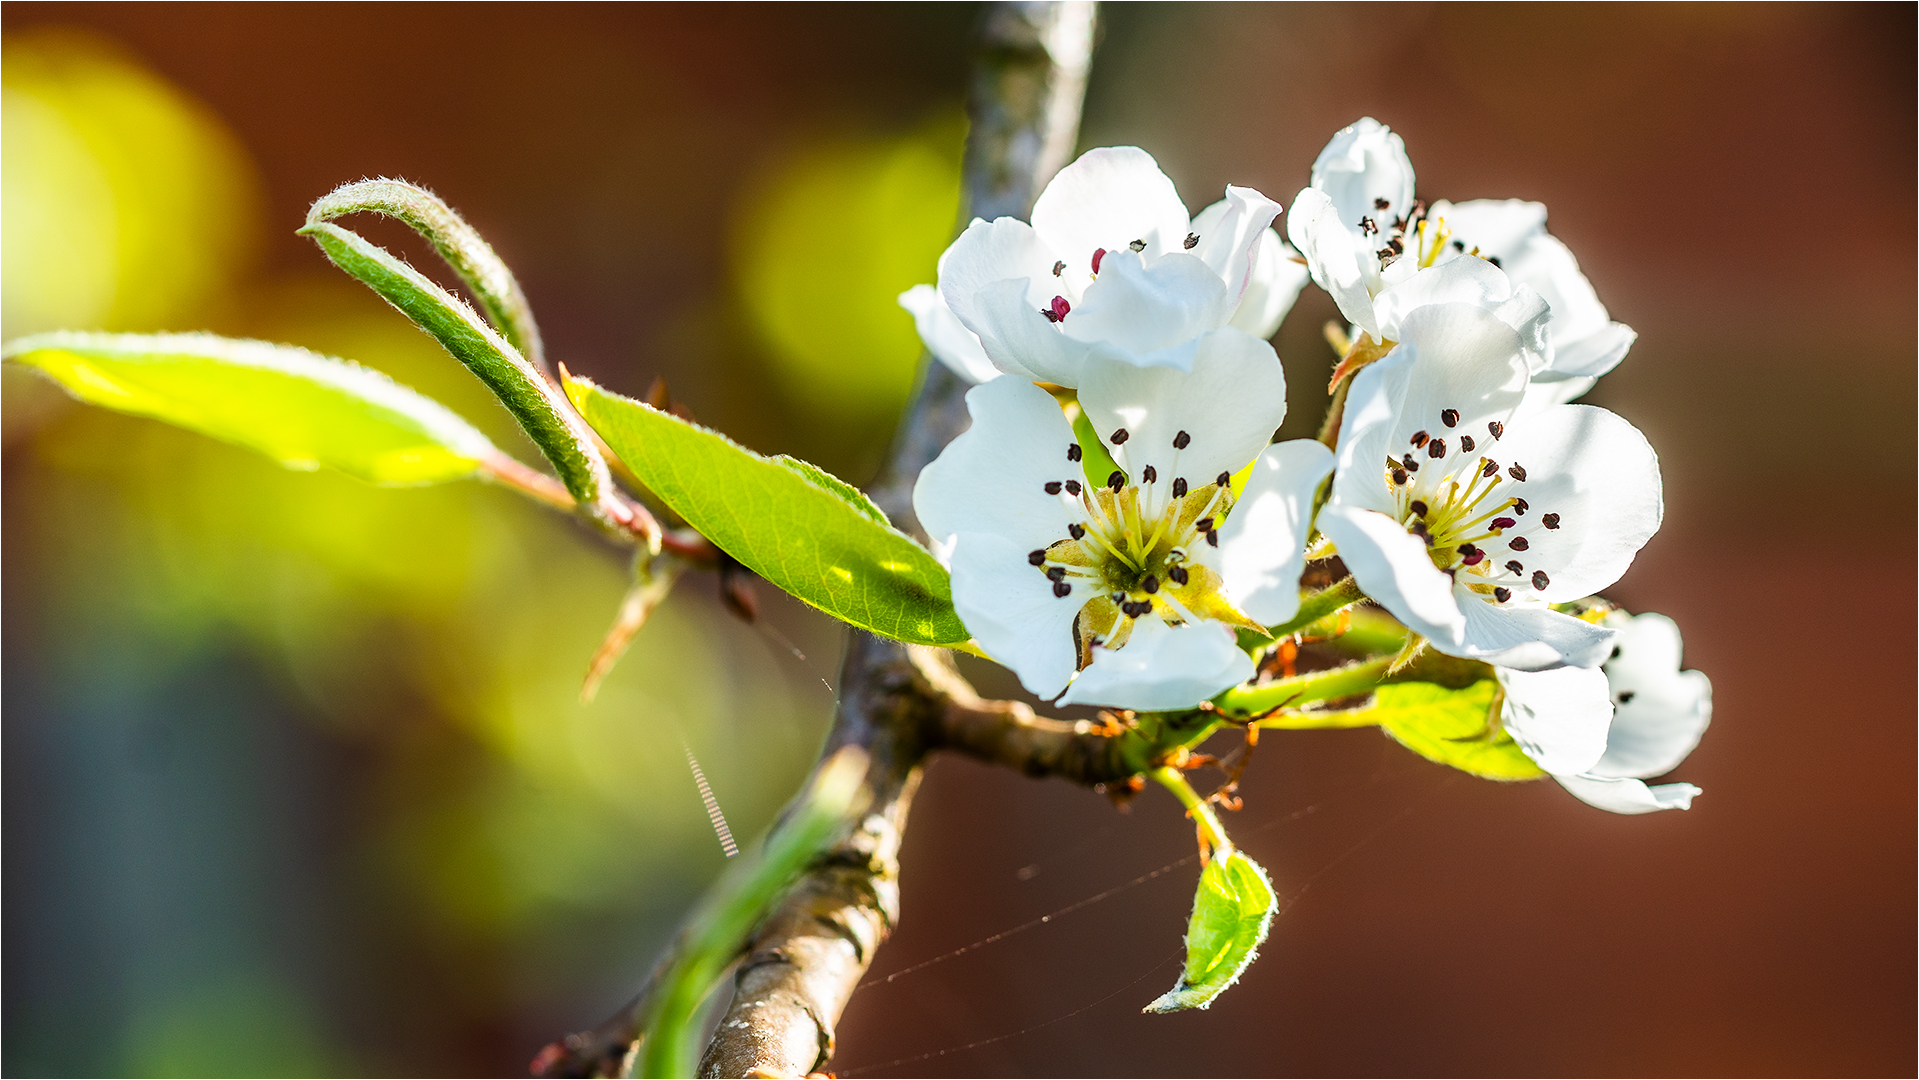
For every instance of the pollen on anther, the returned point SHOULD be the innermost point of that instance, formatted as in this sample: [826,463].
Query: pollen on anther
[1449,417]
[1060,308]
[1411,464]
[1179,575]
[1436,448]
[1498,429]
[1052,487]
[1148,475]
[1503,523]
[1474,559]
[1192,241]
[1059,268]
[1626,696]
[1519,543]
[1072,487]
[1517,472]
[1540,580]
[1037,556]
[1491,467]
[1116,481]
[1459,245]
[1381,204]
[1057,573]
[1551,521]
[1181,441]
[1119,437]
[1419,439]
[1515,566]
[1073,452]
[1223,479]
[1466,444]
[1076,530]
[1400,476]
[1520,506]
[1212,537]
[1502,594]
[1419,508]
[1204,524]
[1150,584]
[1179,487]
[1137,245]
[1061,588]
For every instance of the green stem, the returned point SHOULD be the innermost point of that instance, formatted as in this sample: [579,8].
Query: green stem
[1247,702]
[1327,601]
[729,911]
[1198,808]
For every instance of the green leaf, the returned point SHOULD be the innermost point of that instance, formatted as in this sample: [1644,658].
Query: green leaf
[523,390]
[1452,727]
[1231,914]
[794,525]
[302,409]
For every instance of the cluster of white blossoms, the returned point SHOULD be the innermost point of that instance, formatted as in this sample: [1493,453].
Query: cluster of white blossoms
[1468,497]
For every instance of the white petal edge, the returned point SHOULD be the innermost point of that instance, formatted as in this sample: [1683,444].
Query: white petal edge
[1624,796]
[991,478]
[1162,667]
[1229,405]
[1339,263]
[948,339]
[1010,609]
[1108,198]
[1529,637]
[1262,546]
[1392,566]
[1559,717]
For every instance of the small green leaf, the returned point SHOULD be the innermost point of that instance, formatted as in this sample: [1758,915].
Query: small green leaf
[1451,727]
[302,409]
[789,522]
[1231,914]
[523,390]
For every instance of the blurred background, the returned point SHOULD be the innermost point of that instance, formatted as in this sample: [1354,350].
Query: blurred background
[296,780]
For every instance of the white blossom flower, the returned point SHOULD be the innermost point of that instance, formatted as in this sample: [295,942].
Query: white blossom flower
[1111,265]
[950,342]
[1130,589]
[1364,235]
[1466,517]
[1659,714]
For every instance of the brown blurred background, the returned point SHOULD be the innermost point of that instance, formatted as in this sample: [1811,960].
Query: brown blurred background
[295,777]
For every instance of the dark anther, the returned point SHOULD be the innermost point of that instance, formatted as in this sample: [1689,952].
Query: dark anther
[1073,452]
[1048,312]
[1060,308]
[1366,226]
[1400,476]
[1179,487]
[1496,428]
[1494,259]
[1540,580]
[1150,584]
[1052,487]
[1057,573]
[1148,475]
[1181,441]
[1449,417]
[1060,588]
[1076,530]
[1397,247]
[1116,481]
[1223,479]
[1098,254]
[1419,439]
[1490,468]
[1519,543]
[1459,245]
[1137,245]
[1192,241]
[1626,696]
[1212,537]
[1551,521]
[1436,448]
[1466,444]
[1386,254]
[1119,437]
[1072,487]
[1037,556]
[1179,575]
[1502,594]
[1059,268]
[1204,524]
[1419,529]
[1467,549]
[1399,223]
[1419,508]
[1517,472]
[1381,204]
[1503,523]
[1515,566]
[1520,506]
[1475,558]
[1409,463]
[1615,653]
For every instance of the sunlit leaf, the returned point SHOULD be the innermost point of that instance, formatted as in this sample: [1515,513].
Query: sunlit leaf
[1231,914]
[794,525]
[302,409]
[1452,727]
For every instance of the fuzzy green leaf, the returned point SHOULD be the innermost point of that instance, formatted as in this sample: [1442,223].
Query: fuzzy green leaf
[789,522]
[1231,914]
[302,409]
[1451,727]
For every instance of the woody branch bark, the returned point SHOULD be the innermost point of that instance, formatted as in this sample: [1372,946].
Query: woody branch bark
[802,964]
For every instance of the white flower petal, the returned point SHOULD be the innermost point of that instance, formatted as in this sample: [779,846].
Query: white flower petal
[1559,718]
[950,342]
[1660,712]
[1527,637]
[1230,232]
[1363,163]
[1548,388]
[1162,667]
[1497,227]
[1229,405]
[1140,307]
[988,252]
[991,479]
[1475,282]
[1278,277]
[1109,198]
[1022,341]
[1623,796]
[1341,263]
[1392,566]
[1598,474]
[1009,607]
[1263,543]
[1593,354]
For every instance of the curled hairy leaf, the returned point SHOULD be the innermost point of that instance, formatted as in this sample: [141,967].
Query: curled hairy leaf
[791,523]
[302,409]
[1231,913]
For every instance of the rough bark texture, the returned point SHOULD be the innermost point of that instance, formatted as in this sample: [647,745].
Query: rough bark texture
[804,961]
